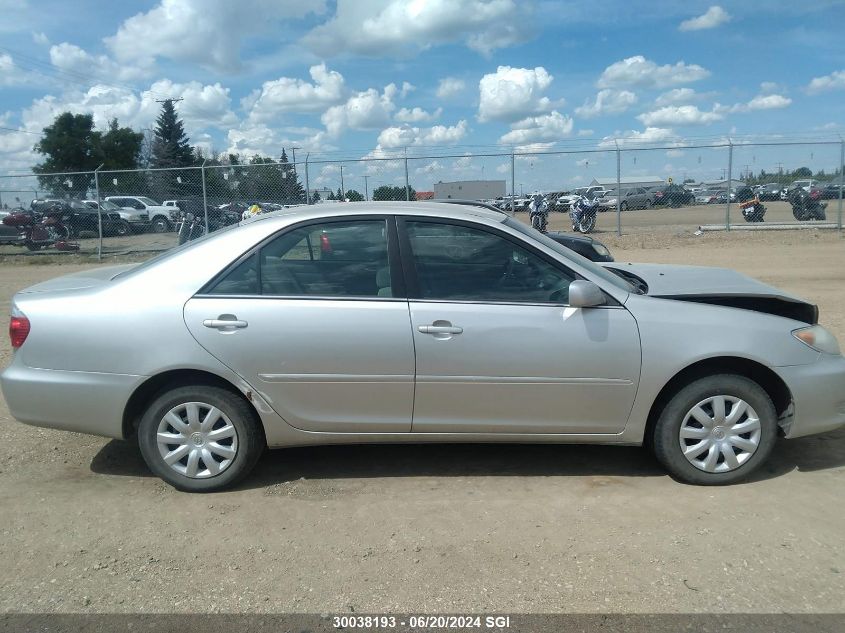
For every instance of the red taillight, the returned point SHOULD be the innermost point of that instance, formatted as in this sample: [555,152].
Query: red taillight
[325,244]
[18,330]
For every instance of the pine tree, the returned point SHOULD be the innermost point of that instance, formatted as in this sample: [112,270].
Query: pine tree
[339,194]
[171,146]
[292,191]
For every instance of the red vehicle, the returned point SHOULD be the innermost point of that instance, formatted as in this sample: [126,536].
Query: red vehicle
[36,230]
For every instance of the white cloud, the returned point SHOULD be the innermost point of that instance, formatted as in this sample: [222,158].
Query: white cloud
[607,102]
[407,88]
[586,132]
[768,86]
[674,153]
[417,115]
[206,32]
[449,87]
[403,136]
[763,102]
[287,94]
[635,137]
[70,57]
[366,110]
[513,93]
[676,96]
[679,115]
[547,127]
[833,81]
[429,167]
[39,37]
[250,139]
[639,71]
[713,17]
[389,28]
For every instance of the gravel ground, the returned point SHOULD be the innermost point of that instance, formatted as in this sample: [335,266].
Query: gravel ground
[85,528]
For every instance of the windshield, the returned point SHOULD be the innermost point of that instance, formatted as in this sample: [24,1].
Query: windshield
[598,271]
[148,201]
[108,205]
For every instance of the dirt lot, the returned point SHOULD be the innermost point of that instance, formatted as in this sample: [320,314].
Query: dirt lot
[85,528]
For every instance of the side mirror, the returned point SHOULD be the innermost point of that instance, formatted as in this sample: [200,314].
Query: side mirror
[585,294]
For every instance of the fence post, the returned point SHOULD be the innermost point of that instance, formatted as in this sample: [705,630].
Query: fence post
[204,198]
[307,185]
[618,189]
[407,182]
[730,179]
[841,182]
[99,213]
[513,182]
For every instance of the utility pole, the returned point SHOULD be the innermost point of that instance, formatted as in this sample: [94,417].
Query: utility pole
[366,190]
[342,190]
[293,153]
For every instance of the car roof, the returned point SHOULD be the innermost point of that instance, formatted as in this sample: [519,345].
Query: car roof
[424,209]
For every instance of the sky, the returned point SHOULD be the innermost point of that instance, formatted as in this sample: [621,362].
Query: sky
[349,79]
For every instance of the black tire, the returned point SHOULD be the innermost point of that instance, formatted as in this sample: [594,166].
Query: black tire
[535,222]
[623,206]
[647,204]
[819,214]
[587,224]
[250,436]
[160,224]
[122,228]
[666,436]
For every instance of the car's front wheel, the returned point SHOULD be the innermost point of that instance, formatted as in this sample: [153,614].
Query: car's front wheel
[160,224]
[716,430]
[200,438]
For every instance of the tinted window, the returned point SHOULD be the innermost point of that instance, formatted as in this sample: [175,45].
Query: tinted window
[333,259]
[466,264]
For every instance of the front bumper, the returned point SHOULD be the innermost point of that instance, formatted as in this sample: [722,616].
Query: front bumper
[818,396]
[85,402]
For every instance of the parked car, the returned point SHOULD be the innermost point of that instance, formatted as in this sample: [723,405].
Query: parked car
[81,218]
[636,198]
[265,335]
[608,200]
[673,195]
[830,191]
[565,200]
[706,196]
[769,191]
[584,245]
[159,215]
[806,184]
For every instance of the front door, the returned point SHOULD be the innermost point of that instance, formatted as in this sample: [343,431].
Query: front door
[310,320]
[499,351]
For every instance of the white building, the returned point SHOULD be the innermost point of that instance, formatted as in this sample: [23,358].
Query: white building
[469,190]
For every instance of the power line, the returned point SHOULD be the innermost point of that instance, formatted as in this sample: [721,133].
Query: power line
[11,129]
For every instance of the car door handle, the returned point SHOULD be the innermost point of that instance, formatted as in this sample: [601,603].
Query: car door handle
[439,329]
[224,324]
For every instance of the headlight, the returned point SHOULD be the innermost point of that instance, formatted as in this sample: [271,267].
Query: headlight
[601,249]
[818,338]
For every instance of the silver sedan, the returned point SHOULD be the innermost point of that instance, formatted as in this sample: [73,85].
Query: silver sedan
[396,322]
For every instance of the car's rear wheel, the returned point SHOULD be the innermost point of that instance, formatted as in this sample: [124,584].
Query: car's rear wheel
[623,206]
[200,438]
[716,430]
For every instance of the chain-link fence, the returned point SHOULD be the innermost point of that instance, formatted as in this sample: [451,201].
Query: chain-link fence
[669,187]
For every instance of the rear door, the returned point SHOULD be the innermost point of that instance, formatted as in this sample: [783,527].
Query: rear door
[316,319]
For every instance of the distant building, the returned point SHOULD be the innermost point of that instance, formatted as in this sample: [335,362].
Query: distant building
[324,193]
[469,190]
[629,182]
[425,195]
[722,184]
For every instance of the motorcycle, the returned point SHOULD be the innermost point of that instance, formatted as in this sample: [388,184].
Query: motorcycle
[583,214]
[806,205]
[37,230]
[749,204]
[191,224]
[538,213]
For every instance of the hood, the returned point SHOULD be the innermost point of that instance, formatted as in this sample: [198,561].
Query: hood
[716,286]
[83,279]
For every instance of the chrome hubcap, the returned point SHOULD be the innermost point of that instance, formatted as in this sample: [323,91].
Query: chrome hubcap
[720,434]
[197,440]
